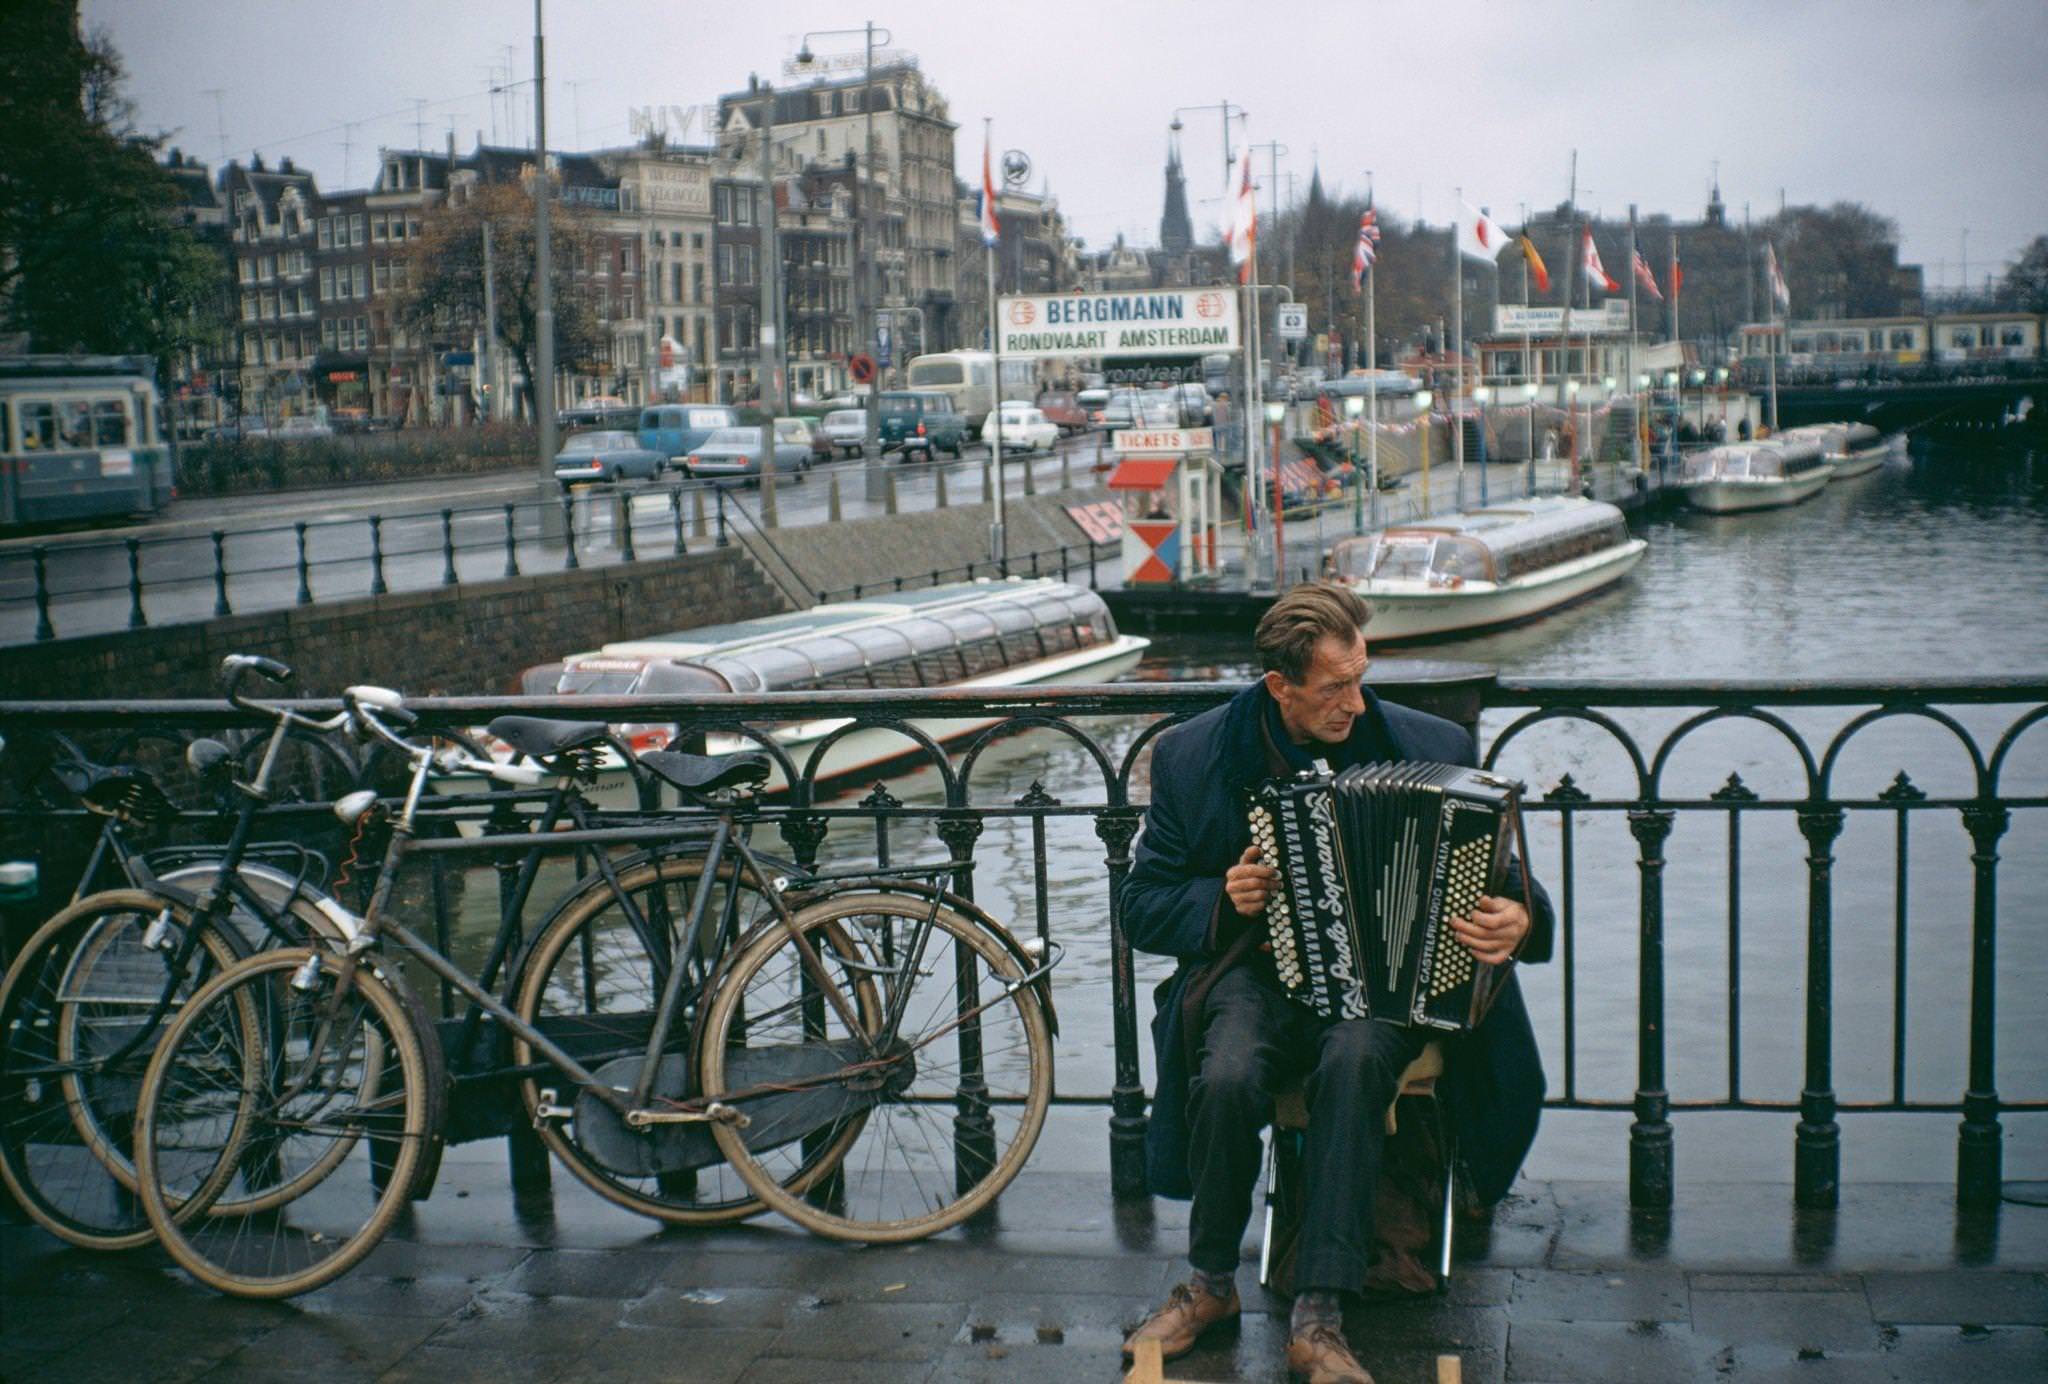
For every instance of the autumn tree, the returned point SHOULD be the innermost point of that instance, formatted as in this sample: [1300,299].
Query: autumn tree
[90,259]
[447,275]
[2025,285]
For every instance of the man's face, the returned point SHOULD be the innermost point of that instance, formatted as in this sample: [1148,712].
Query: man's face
[1321,707]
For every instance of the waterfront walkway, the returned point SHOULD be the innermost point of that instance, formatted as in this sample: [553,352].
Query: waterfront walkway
[1564,1286]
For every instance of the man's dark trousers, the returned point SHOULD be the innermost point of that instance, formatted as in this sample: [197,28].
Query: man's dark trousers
[1254,1041]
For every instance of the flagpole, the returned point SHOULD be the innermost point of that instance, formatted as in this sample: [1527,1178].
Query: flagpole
[1678,395]
[1634,391]
[1532,373]
[1458,338]
[1372,401]
[1774,340]
[999,548]
[1255,418]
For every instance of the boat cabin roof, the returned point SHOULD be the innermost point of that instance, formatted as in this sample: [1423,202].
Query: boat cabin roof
[1502,527]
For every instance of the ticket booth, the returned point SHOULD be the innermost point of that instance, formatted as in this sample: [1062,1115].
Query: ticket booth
[1171,508]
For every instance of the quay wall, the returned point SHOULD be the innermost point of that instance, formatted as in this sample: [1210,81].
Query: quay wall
[474,638]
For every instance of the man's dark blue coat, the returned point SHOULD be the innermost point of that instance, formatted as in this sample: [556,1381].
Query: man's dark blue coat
[1195,829]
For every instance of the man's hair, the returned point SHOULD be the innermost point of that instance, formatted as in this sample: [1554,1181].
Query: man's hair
[1292,626]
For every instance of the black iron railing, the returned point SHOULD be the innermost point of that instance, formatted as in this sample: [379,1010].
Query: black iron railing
[1613,778]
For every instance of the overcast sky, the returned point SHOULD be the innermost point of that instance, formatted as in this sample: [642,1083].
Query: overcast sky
[1933,112]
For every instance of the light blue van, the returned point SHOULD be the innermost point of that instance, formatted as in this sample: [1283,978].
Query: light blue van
[675,429]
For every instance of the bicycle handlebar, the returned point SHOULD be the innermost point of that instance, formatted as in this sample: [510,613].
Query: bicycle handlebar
[235,669]
[366,708]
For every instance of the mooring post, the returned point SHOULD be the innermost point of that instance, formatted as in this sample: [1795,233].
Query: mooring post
[675,508]
[511,543]
[448,547]
[1979,1159]
[220,574]
[569,562]
[136,619]
[44,629]
[377,586]
[1649,1135]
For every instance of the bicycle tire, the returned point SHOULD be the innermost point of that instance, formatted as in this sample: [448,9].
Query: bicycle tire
[588,939]
[248,1038]
[903,1178]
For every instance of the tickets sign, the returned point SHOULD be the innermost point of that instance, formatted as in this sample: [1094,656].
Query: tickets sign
[1163,440]
[1175,322]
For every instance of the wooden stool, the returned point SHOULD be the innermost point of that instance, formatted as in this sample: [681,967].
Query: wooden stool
[1283,1158]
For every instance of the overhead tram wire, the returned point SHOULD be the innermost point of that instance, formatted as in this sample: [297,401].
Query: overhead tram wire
[414,108]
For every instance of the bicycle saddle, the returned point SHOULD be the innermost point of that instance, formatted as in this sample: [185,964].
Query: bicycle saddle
[123,792]
[696,773]
[539,738]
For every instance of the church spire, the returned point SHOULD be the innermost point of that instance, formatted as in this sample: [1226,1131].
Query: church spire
[1176,230]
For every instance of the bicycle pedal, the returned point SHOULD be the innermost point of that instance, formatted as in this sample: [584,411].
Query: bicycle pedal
[158,936]
[545,1109]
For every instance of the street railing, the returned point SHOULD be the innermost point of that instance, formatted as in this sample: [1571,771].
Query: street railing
[1613,773]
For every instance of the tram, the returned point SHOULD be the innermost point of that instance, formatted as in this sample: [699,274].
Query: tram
[81,437]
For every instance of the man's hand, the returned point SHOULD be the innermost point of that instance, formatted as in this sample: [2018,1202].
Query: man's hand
[1494,929]
[1249,884]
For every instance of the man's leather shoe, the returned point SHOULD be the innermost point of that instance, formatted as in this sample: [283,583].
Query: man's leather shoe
[1188,1313]
[1320,1355]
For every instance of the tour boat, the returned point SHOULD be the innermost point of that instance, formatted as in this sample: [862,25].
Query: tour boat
[1853,449]
[1484,567]
[980,634]
[1782,470]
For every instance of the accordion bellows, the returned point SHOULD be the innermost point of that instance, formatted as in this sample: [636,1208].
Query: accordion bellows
[1374,862]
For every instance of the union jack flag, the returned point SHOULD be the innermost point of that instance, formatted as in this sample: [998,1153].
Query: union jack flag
[1368,247]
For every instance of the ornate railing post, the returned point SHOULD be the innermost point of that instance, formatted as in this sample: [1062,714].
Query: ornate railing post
[448,577]
[44,629]
[675,509]
[377,583]
[511,543]
[1649,1135]
[1979,1162]
[305,596]
[625,514]
[1817,1146]
[1117,828]
[974,1128]
[569,562]
[136,619]
[220,574]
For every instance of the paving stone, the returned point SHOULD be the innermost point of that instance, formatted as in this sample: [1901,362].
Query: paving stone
[873,1331]
[374,1296]
[1776,1282]
[1823,1320]
[134,1355]
[349,1344]
[714,1307]
[585,1273]
[1632,1294]
[471,1364]
[702,1356]
[1985,1355]
[1959,1295]
[771,1369]
[517,1323]
[1000,1363]
[1752,1364]
[1607,1353]
[1428,1321]
[1082,1320]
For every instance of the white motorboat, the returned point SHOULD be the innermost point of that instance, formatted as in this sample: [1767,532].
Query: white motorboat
[980,634]
[1485,567]
[1755,475]
[1853,449]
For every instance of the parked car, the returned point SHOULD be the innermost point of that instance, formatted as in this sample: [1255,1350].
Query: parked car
[845,430]
[923,422]
[1064,411]
[1120,410]
[302,427]
[735,453]
[804,433]
[606,455]
[674,430]
[1025,429]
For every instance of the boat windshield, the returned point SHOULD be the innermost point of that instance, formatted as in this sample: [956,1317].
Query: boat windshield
[1401,559]
[600,682]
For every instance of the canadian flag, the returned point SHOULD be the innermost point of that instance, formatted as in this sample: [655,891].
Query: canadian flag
[1243,235]
[1646,278]
[1596,272]
[1478,234]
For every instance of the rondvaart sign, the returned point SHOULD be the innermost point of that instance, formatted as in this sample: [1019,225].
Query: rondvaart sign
[1178,322]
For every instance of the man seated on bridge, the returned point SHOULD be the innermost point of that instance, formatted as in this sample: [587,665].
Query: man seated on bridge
[1227,1037]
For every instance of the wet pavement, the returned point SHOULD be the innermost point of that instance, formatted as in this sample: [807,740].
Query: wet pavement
[1563,1285]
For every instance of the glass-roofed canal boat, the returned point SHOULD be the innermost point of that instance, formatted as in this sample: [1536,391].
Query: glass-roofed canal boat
[1853,449]
[1756,475]
[1012,633]
[1484,567]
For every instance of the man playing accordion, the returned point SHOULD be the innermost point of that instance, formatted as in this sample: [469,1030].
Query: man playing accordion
[1226,1035]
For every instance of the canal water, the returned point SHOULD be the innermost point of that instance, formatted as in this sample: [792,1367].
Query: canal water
[1933,568]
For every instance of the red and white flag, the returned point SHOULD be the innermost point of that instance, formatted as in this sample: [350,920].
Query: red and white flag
[1646,278]
[1479,235]
[991,229]
[1596,272]
[1368,247]
[1780,294]
[1677,272]
[1243,234]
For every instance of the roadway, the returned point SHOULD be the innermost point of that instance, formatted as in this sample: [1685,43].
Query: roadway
[88,574]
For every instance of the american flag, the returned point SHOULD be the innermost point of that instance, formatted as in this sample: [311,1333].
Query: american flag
[1367,251]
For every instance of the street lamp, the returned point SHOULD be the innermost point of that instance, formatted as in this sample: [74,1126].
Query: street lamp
[1423,399]
[865,296]
[1226,107]
[1354,409]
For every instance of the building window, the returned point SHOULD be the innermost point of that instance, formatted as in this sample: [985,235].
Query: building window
[626,302]
[412,228]
[380,277]
[626,256]
[725,264]
[326,233]
[362,333]
[743,205]
[326,283]
[327,334]
[697,241]
[249,308]
[722,205]
[248,270]
[697,283]
[355,229]
[675,282]
[270,307]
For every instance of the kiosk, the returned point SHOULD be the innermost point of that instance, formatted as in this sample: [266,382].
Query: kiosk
[1167,481]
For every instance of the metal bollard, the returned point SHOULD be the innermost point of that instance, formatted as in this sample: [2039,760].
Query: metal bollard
[940,482]
[1030,474]
[448,577]
[988,489]
[569,563]
[44,629]
[697,528]
[220,574]
[889,490]
[719,495]
[511,543]
[832,509]
[675,506]
[136,619]
[1066,468]
[305,596]
[377,586]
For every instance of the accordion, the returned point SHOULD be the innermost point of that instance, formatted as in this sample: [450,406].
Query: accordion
[1374,862]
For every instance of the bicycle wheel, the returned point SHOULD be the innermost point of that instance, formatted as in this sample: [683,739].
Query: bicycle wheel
[76,1010]
[949,1107]
[592,984]
[270,1075]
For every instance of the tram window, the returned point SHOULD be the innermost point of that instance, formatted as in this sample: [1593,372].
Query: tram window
[39,426]
[6,426]
[77,429]
[109,423]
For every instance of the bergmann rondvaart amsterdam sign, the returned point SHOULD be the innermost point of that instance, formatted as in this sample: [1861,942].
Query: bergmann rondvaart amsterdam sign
[1193,321]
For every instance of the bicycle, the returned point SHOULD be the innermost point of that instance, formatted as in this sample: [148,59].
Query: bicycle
[83,1003]
[809,1053]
